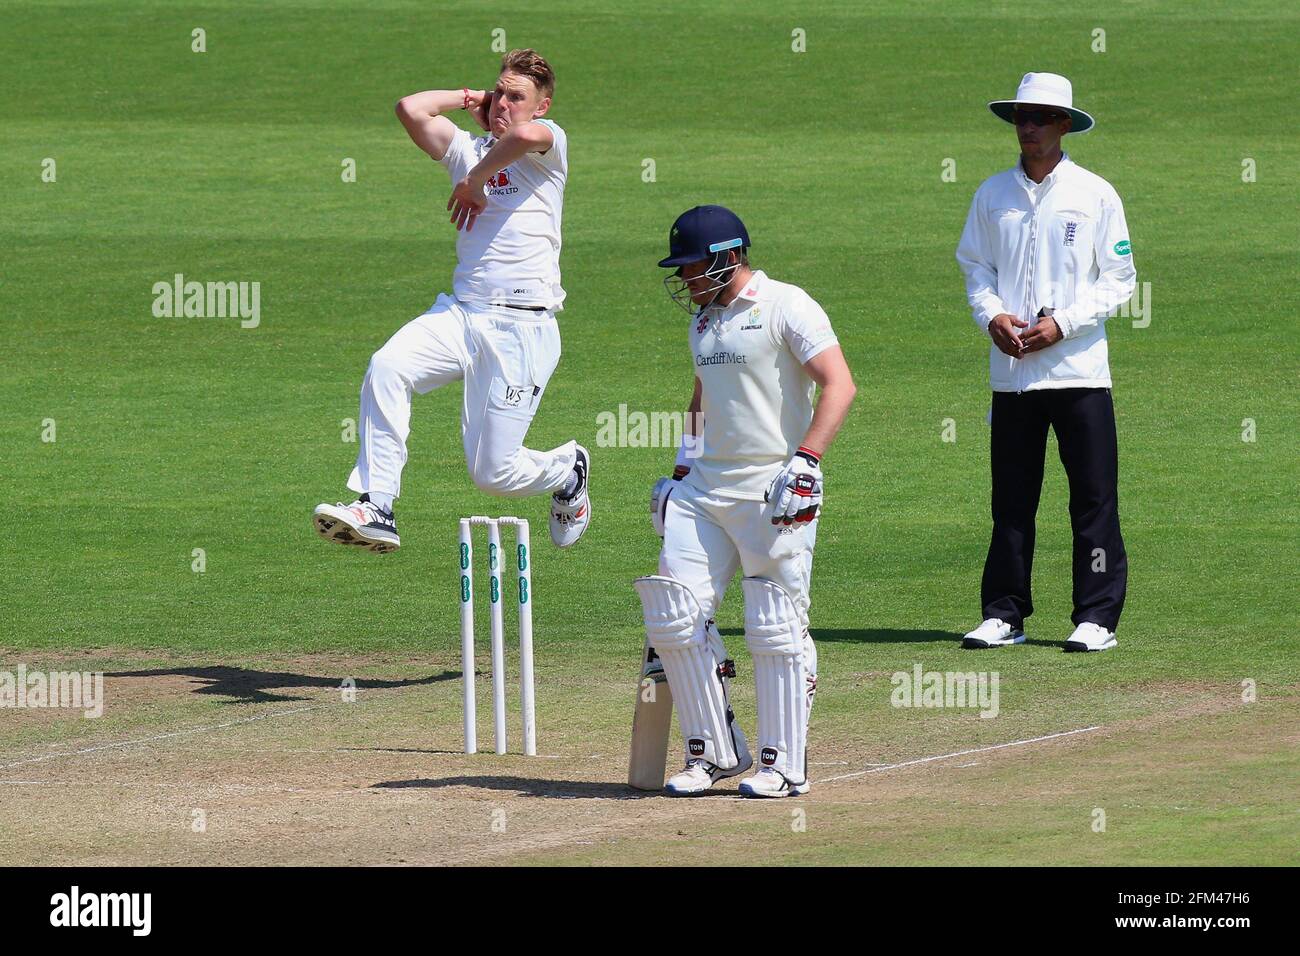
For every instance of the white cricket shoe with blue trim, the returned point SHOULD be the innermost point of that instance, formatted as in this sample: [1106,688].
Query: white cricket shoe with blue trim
[994,632]
[362,524]
[1091,637]
[570,515]
[770,782]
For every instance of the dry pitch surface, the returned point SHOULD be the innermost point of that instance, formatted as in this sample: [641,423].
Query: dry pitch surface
[266,763]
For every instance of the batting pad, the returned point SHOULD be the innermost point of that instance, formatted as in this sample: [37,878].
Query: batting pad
[674,623]
[775,638]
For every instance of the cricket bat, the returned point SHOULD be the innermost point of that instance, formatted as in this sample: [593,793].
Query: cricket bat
[651,723]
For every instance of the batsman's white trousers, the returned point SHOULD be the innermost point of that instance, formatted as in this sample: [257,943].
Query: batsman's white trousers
[505,356]
[708,537]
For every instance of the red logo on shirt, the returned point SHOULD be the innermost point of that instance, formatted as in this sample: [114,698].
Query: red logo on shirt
[500,179]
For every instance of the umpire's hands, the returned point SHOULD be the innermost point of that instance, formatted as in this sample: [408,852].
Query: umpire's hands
[1044,333]
[795,494]
[1003,330]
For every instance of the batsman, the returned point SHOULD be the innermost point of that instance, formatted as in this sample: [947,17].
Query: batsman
[745,495]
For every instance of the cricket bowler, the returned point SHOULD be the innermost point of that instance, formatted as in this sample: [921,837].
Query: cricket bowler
[497,330]
[1047,258]
[745,494]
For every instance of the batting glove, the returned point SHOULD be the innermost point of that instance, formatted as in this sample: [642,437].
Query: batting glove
[795,494]
[659,495]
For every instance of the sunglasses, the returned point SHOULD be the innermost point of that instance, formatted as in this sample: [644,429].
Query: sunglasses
[1037,117]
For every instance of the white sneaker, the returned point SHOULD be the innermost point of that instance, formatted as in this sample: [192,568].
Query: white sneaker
[361,523]
[1090,637]
[770,782]
[994,632]
[570,516]
[699,775]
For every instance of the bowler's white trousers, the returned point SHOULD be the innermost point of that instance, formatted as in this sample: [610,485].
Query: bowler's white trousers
[708,537]
[505,356]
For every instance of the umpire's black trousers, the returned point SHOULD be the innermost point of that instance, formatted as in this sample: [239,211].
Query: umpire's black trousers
[1084,421]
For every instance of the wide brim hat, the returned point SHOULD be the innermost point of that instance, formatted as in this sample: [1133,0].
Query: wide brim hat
[1045,89]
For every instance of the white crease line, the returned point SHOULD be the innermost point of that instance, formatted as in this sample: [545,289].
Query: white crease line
[959,753]
[192,784]
[149,740]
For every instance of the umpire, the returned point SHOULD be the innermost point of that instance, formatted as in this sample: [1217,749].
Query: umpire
[1046,256]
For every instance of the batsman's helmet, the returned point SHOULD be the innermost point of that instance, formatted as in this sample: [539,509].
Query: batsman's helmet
[703,232]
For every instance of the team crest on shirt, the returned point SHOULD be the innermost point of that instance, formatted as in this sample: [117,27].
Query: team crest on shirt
[751,320]
[1071,228]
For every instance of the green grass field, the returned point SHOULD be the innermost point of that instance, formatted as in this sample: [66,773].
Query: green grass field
[176,434]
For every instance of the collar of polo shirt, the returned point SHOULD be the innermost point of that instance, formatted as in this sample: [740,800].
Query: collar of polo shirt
[753,288]
[750,293]
[1050,177]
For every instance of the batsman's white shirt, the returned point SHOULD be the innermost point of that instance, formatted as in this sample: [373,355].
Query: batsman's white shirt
[512,255]
[756,396]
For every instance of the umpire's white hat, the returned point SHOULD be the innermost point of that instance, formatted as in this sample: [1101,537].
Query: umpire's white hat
[1044,89]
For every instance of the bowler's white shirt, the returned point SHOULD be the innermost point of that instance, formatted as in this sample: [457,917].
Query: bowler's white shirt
[512,255]
[756,396]
[1061,244]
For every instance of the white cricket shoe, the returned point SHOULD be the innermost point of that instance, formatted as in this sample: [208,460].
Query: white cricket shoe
[994,632]
[699,775]
[570,516]
[1091,637]
[361,523]
[770,782]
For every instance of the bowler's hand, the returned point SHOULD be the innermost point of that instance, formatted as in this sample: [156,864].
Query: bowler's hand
[1003,330]
[1044,333]
[478,103]
[466,202]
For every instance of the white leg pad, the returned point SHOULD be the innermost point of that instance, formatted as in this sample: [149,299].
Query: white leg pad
[776,638]
[810,668]
[675,625]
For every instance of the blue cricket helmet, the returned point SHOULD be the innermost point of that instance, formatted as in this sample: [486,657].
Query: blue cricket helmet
[702,232]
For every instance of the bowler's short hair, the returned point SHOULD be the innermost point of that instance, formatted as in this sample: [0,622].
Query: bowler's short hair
[533,65]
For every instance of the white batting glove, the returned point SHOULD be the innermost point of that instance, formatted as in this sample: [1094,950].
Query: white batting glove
[659,495]
[795,494]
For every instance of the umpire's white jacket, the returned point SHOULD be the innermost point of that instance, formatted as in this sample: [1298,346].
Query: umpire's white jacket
[1061,244]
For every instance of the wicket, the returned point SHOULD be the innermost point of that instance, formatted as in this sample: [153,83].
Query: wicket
[523,563]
